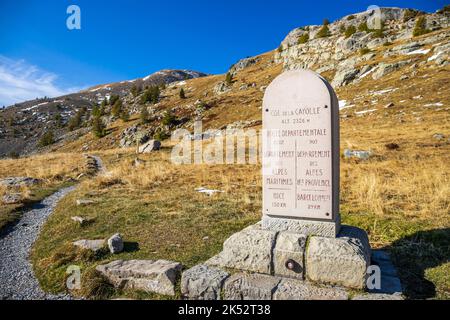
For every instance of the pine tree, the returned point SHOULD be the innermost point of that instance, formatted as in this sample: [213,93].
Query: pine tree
[421,27]
[47,139]
[98,127]
[117,108]
[324,31]
[144,116]
[182,94]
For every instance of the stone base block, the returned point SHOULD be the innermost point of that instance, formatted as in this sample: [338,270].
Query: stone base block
[341,261]
[289,255]
[203,282]
[305,227]
[249,250]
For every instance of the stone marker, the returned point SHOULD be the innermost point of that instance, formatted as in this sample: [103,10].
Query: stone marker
[301,155]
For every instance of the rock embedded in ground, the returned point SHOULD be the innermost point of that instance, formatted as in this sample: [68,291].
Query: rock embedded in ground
[92,245]
[203,282]
[378,296]
[143,275]
[84,202]
[291,289]
[249,249]
[244,286]
[79,220]
[19,182]
[339,261]
[115,244]
[12,198]
[152,145]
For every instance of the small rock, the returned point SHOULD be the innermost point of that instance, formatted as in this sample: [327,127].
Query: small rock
[378,296]
[439,136]
[115,244]
[79,219]
[389,105]
[83,202]
[364,155]
[93,245]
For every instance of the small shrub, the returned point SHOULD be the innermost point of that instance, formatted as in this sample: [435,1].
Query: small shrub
[350,31]
[169,119]
[280,49]
[363,27]
[421,27]
[351,17]
[378,33]
[304,38]
[124,116]
[387,44]
[113,99]
[161,136]
[326,22]
[323,32]
[229,78]
[364,51]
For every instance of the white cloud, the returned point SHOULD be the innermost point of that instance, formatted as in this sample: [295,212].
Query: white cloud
[21,81]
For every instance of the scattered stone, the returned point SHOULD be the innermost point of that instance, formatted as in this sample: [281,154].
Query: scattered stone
[249,249]
[288,255]
[12,198]
[152,145]
[209,192]
[131,134]
[389,105]
[19,182]
[244,286]
[439,136]
[84,202]
[145,275]
[290,289]
[344,77]
[115,244]
[93,245]
[363,155]
[386,68]
[79,219]
[404,77]
[221,87]
[339,261]
[203,282]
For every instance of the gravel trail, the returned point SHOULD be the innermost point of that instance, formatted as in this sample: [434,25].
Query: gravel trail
[17,280]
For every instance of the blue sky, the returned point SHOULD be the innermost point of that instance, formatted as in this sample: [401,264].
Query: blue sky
[121,40]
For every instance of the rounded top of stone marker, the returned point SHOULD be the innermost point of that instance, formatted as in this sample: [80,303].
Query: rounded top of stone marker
[297,85]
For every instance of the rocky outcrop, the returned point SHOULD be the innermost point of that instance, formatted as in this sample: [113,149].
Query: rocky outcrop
[19,182]
[150,146]
[129,136]
[242,64]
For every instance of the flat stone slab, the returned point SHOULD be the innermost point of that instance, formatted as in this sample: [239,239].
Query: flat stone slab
[378,296]
[291,289]
[305,227]
[288,255]
[339,261]
[248,250]
[146,275]
[203,282]
[93,245]
[244,286]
